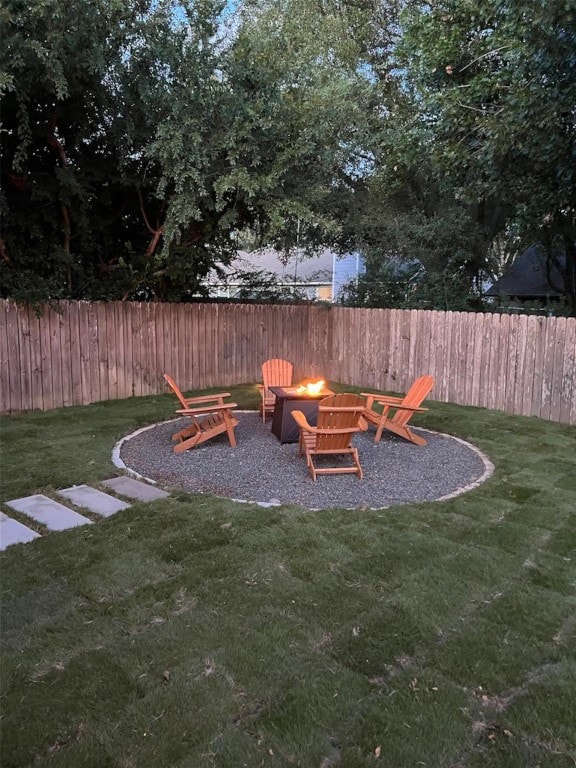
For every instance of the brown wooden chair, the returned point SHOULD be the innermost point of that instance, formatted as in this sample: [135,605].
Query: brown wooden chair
[275,373]
[403,407]
[339,418]
[209,414]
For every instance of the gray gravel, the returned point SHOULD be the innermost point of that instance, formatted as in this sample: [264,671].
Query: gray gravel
[261,469]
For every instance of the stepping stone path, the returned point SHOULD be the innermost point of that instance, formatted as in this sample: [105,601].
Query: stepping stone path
[134,489]
[14,532]
[55,516]
[58,517]
[96,501]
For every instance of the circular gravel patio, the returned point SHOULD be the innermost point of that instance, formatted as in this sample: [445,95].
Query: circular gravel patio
[262,470]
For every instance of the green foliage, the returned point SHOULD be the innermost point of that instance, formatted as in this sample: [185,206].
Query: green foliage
[497,83]
[141,139]
[86,95]
[393,284]
[472,141]
[407,207]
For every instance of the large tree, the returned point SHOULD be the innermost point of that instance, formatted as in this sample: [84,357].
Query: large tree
[496,85]
[405,206]
[296,105]
[85,87]
[140,138]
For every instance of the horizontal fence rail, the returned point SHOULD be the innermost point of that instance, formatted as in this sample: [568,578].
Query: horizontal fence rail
[83,352]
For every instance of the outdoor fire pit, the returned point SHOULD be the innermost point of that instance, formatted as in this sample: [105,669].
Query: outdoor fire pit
[303,398]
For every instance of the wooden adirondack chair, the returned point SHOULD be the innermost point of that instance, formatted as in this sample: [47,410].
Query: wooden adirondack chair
[404,408]
[275,373]
[339,418]
[209,414]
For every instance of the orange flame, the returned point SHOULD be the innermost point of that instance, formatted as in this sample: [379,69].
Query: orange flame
[312,388]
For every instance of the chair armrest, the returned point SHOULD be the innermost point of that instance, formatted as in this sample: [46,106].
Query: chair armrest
[302,422]
[382,399]
[398,406]
[369,399]
[207,409]
[413,408]
[393,402]
[207,398]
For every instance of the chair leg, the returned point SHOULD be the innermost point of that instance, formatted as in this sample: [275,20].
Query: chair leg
[356,460]
[231,435]
[414,438]
[311,467]
[266,411]
[381,425]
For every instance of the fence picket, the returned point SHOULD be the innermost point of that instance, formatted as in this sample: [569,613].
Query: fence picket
[557,369]
[539,343]
[85,349]
[50,397]
[14,363]
[4,361]
[548,369]
[55,328]
[515,404]
[24,346]
[568,385]
[504,368]
[532,330]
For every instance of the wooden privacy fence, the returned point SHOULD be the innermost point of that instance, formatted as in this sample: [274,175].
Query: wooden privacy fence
[83,352]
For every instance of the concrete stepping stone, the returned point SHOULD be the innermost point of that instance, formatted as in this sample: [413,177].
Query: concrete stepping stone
[50,513]
[135,489]
[96,501]
[14,532]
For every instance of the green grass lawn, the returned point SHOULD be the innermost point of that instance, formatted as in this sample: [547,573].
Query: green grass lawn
[196,631]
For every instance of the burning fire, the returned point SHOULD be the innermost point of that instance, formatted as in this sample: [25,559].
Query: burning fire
[312,388]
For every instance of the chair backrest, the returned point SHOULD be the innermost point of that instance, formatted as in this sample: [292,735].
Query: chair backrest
[337,412]
[414,397]
[276,373]
[174,387]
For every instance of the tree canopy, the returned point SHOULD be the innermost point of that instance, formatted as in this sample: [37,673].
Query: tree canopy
[496,81]
[143,140]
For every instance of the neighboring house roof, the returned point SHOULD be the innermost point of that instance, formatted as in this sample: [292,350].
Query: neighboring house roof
[526,278]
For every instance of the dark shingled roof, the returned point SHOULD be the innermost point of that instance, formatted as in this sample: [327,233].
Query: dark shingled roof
[526,277]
